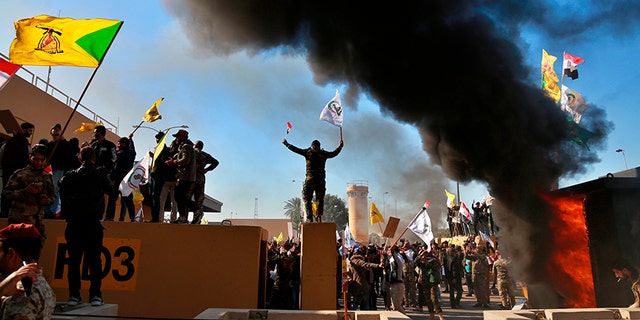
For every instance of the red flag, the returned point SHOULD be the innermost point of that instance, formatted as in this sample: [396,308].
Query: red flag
[570,65]
[289,126]
[7,69]
[465,211]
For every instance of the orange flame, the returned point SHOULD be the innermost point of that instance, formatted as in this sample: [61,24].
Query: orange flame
[570,265]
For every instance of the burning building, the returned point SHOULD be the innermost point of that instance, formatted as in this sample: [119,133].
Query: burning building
[593,224]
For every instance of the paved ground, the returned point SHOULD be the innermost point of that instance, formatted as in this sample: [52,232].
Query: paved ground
[466,312]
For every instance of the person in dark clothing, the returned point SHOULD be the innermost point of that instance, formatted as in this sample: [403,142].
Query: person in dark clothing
[82,203]
[105,150]
[125,157]
[282,291]
[315,175]
[15,156]
[185,163]
[162,176]
[453,275]
[62,159]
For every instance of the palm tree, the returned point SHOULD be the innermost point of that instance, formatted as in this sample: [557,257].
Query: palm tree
[293,210]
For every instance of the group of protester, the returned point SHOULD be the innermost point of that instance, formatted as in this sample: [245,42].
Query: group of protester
[59,179]
[461,221]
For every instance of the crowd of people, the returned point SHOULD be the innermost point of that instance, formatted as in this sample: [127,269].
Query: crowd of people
[178,173]
[404,275]
[62,179]
[464,223]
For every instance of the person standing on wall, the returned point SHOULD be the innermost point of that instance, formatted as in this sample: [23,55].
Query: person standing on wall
[315,175]
[82,202]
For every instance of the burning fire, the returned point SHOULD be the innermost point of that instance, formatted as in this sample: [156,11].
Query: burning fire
[570,265]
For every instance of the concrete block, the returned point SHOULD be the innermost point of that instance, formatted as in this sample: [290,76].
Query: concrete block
[629,313]
[86,311]
[579,314]
[509,315]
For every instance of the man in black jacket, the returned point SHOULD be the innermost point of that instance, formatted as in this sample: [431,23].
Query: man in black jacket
[82,195]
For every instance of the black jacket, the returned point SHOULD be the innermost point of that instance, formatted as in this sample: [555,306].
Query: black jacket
[82,194]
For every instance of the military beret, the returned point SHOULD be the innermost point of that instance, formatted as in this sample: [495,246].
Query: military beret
[19,231]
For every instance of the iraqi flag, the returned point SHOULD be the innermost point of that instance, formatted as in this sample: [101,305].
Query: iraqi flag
[7,69]
[570,65]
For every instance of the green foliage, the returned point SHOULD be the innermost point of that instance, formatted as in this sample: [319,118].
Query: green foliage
[335,210]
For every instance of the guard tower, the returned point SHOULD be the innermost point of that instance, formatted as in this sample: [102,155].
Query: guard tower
[358,192]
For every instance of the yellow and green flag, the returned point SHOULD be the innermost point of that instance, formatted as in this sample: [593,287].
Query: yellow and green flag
[549,77]
[50,41]
[152,114]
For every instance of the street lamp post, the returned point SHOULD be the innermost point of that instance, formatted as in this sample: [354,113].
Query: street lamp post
[624,157]
[154,129]
[384,204]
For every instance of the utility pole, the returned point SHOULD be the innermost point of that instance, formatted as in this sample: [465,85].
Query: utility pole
[255,209]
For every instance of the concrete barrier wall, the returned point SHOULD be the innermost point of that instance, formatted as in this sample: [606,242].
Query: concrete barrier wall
[318,267]
[168,270]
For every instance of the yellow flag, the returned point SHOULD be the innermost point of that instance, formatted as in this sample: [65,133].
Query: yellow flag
[50,41]
[314,208]
[549,76]
[87,127]
[279,238]
[374,215]
[152,114]
[450,199]
[161,145]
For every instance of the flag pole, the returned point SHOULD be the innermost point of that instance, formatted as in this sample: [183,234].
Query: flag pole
[345,282]
[341,133]
[136,128]
[55,146]
[89,82]
[407,227]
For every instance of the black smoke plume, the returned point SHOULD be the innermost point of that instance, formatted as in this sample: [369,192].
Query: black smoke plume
[452,69]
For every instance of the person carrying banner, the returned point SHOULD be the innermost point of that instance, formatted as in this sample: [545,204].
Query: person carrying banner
[315,175]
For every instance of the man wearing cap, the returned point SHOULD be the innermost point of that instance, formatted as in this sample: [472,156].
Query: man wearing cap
[30,190]
[204,163]
[185,162]
[82,195]
[61,159]
[20,247]
[315,176]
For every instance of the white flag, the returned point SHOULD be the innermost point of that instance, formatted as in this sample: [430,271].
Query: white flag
[332,112]
[485,237]
[138,175]
[573,102]
[421,225]
[348,240]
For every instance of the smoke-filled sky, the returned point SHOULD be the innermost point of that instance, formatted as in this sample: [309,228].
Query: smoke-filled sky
[434,92]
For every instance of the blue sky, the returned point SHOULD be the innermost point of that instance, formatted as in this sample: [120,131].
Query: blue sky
[238,104]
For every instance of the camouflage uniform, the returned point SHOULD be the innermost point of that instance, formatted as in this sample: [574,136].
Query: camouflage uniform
[37,306]
[506,284]
[202,160]
[315,177]
[27,207]
[430,272]
[480,278]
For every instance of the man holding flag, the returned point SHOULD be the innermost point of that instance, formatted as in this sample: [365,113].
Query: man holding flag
[315,175]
